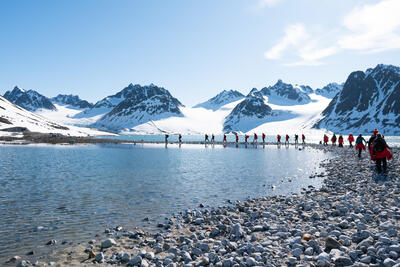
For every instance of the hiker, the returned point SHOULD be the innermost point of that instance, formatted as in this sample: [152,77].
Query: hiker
[237,138]
[206,138]
[287,139]
[326,139]
[212,138]
[180,138]
[371,143]
[166,138]
[263,138]
[381,153]
[360,144]
[224,138]
[341,141]
[333,140]
[245,138]
[296,139]
[279,138]
[303,137]
[255,138]
[351,139]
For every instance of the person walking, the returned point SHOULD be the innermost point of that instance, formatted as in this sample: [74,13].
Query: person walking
[212,138]
[326,139]
[341,141]
[255,137]
[263,138]
[360,141]
[166,139]
[180,139]
[381,153]
[296,139]
[224,140]
[333,140]
[245,138]
[278,137]
[287,139]
[206,138]
[237,138]
[371,143]
[351,139]
[303,138]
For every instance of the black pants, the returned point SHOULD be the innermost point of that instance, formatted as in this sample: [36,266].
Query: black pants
[359,152]
[379,164]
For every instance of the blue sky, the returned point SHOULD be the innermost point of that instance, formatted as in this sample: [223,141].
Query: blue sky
[195,49]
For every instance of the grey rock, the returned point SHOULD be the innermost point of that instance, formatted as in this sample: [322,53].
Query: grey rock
[109,242]
[331,243]
[100,257]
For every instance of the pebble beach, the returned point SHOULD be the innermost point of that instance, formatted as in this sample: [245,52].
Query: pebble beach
[352,220]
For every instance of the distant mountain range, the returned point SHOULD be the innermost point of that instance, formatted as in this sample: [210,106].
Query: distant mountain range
[365,101]
[71,101]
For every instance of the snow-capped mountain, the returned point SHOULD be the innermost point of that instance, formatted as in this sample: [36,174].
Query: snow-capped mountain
[368,100]
[105,105]
[139,104]
[248,113]
[222,99]
[304,88]
[13,117]
[30,100]
[330,90]
[71,101]
[286,94]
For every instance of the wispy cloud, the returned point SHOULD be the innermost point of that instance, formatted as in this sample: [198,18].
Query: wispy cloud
[369,28]
[295,35]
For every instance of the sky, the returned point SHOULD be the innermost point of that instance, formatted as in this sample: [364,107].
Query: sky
[195,49]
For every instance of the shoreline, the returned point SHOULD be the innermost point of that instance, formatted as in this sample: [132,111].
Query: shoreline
[270,230]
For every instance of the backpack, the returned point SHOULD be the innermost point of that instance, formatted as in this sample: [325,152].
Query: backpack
[379,145]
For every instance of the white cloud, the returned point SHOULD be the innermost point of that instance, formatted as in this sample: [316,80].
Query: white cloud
[369,28]
[268,3]
[294,36]
[372,27]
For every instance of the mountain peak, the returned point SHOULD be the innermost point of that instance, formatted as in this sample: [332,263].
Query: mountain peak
[72,101]
[17,88]
[220,100]
[29,100]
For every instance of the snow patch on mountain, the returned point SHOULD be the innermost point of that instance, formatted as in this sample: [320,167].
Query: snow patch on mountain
[220,100]
[12,115]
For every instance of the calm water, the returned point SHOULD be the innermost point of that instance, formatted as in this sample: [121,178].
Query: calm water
[74,192]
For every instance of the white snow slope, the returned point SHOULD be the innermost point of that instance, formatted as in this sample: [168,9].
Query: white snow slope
[12,115]
[293,119]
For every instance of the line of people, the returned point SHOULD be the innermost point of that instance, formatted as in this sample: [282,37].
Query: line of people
[246,138]
[377,147]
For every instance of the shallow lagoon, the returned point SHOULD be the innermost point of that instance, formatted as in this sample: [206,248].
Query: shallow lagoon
[73,192]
